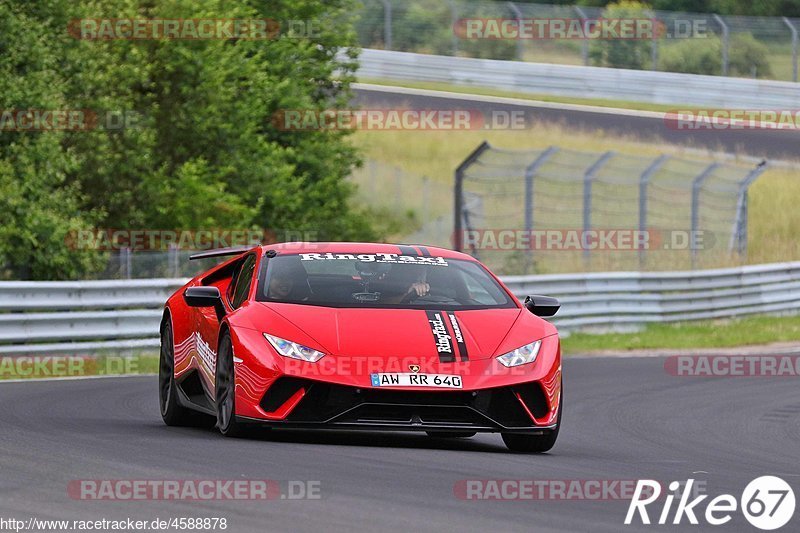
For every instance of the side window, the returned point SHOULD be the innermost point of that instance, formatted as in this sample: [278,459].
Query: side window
[244,280]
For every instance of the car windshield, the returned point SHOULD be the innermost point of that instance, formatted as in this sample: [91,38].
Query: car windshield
[380,280]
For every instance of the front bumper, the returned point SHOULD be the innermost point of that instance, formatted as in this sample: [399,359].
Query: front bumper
[312,396]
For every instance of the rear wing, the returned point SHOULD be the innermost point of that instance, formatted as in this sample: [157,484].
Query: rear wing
[220,252]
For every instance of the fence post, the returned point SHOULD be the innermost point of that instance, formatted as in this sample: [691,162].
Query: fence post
[588,178]
[425,200]
[174,261]
[453,21]
[654,44]
[125,263]
[458,194]
[518,16]
[739,230]
[585,43]
[530,172]
[398,188]
[794,47]
[697,183]
[387,24]
[725,43]
[644,181]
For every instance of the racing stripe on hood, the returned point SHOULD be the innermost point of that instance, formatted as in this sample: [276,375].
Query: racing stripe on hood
[459,337]
[408,250]
[441,336]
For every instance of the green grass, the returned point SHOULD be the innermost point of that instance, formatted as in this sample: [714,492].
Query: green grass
[600,102]
[774,220]
[64,366]
[687,336]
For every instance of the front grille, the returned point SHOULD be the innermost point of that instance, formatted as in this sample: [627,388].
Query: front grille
[496,408]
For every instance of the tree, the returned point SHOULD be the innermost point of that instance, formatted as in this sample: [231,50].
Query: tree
[39,208]
[622,53]
[202,152]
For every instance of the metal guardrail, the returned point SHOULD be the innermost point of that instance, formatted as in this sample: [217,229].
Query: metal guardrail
[628,300]
[113,316]
[43,317]
[582,82]
[433,27]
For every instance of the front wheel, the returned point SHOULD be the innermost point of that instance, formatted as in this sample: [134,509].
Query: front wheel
[225,390]
[172,412]
[521,443]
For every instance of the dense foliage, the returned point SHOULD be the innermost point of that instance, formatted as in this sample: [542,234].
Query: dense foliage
[200,149]
[769,8]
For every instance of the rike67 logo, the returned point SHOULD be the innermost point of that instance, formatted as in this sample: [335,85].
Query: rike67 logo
[767,502]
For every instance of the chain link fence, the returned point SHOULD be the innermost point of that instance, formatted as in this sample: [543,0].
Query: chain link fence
[421,207]
[561,210]
[763,47]
[553,210]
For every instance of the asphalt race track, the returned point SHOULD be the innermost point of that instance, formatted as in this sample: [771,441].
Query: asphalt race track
[625,419]
[764,143]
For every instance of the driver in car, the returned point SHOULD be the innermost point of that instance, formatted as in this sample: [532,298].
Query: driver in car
[404,283]
[288,281]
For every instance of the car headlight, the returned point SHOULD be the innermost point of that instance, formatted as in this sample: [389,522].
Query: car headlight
[293,350]
[521,356]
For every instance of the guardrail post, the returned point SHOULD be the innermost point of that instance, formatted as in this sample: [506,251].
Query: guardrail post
[697,183]
[585,43]
[794,47]
[518,16]
[588,178]
[739,230]
[725,43]
[458,194]
[530,172]
[644,181]
[387,24]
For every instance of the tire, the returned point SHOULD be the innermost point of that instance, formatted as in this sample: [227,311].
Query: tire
[225,390]
[521,443]
[172,412]
[451,434]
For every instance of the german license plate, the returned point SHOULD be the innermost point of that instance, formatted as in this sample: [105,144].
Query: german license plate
[442,381]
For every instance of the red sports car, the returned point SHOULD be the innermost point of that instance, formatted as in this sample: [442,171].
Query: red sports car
[353,336]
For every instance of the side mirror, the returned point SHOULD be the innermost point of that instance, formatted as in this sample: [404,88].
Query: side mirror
[542,305]
[205,297]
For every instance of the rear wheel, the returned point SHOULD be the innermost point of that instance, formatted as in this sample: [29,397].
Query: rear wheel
[451,434]
[225,390]
[535,443]
[172,412]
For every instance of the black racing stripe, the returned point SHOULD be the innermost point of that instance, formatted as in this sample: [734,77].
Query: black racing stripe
[441,336]
[408,250]
[459,337]
[424,251]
